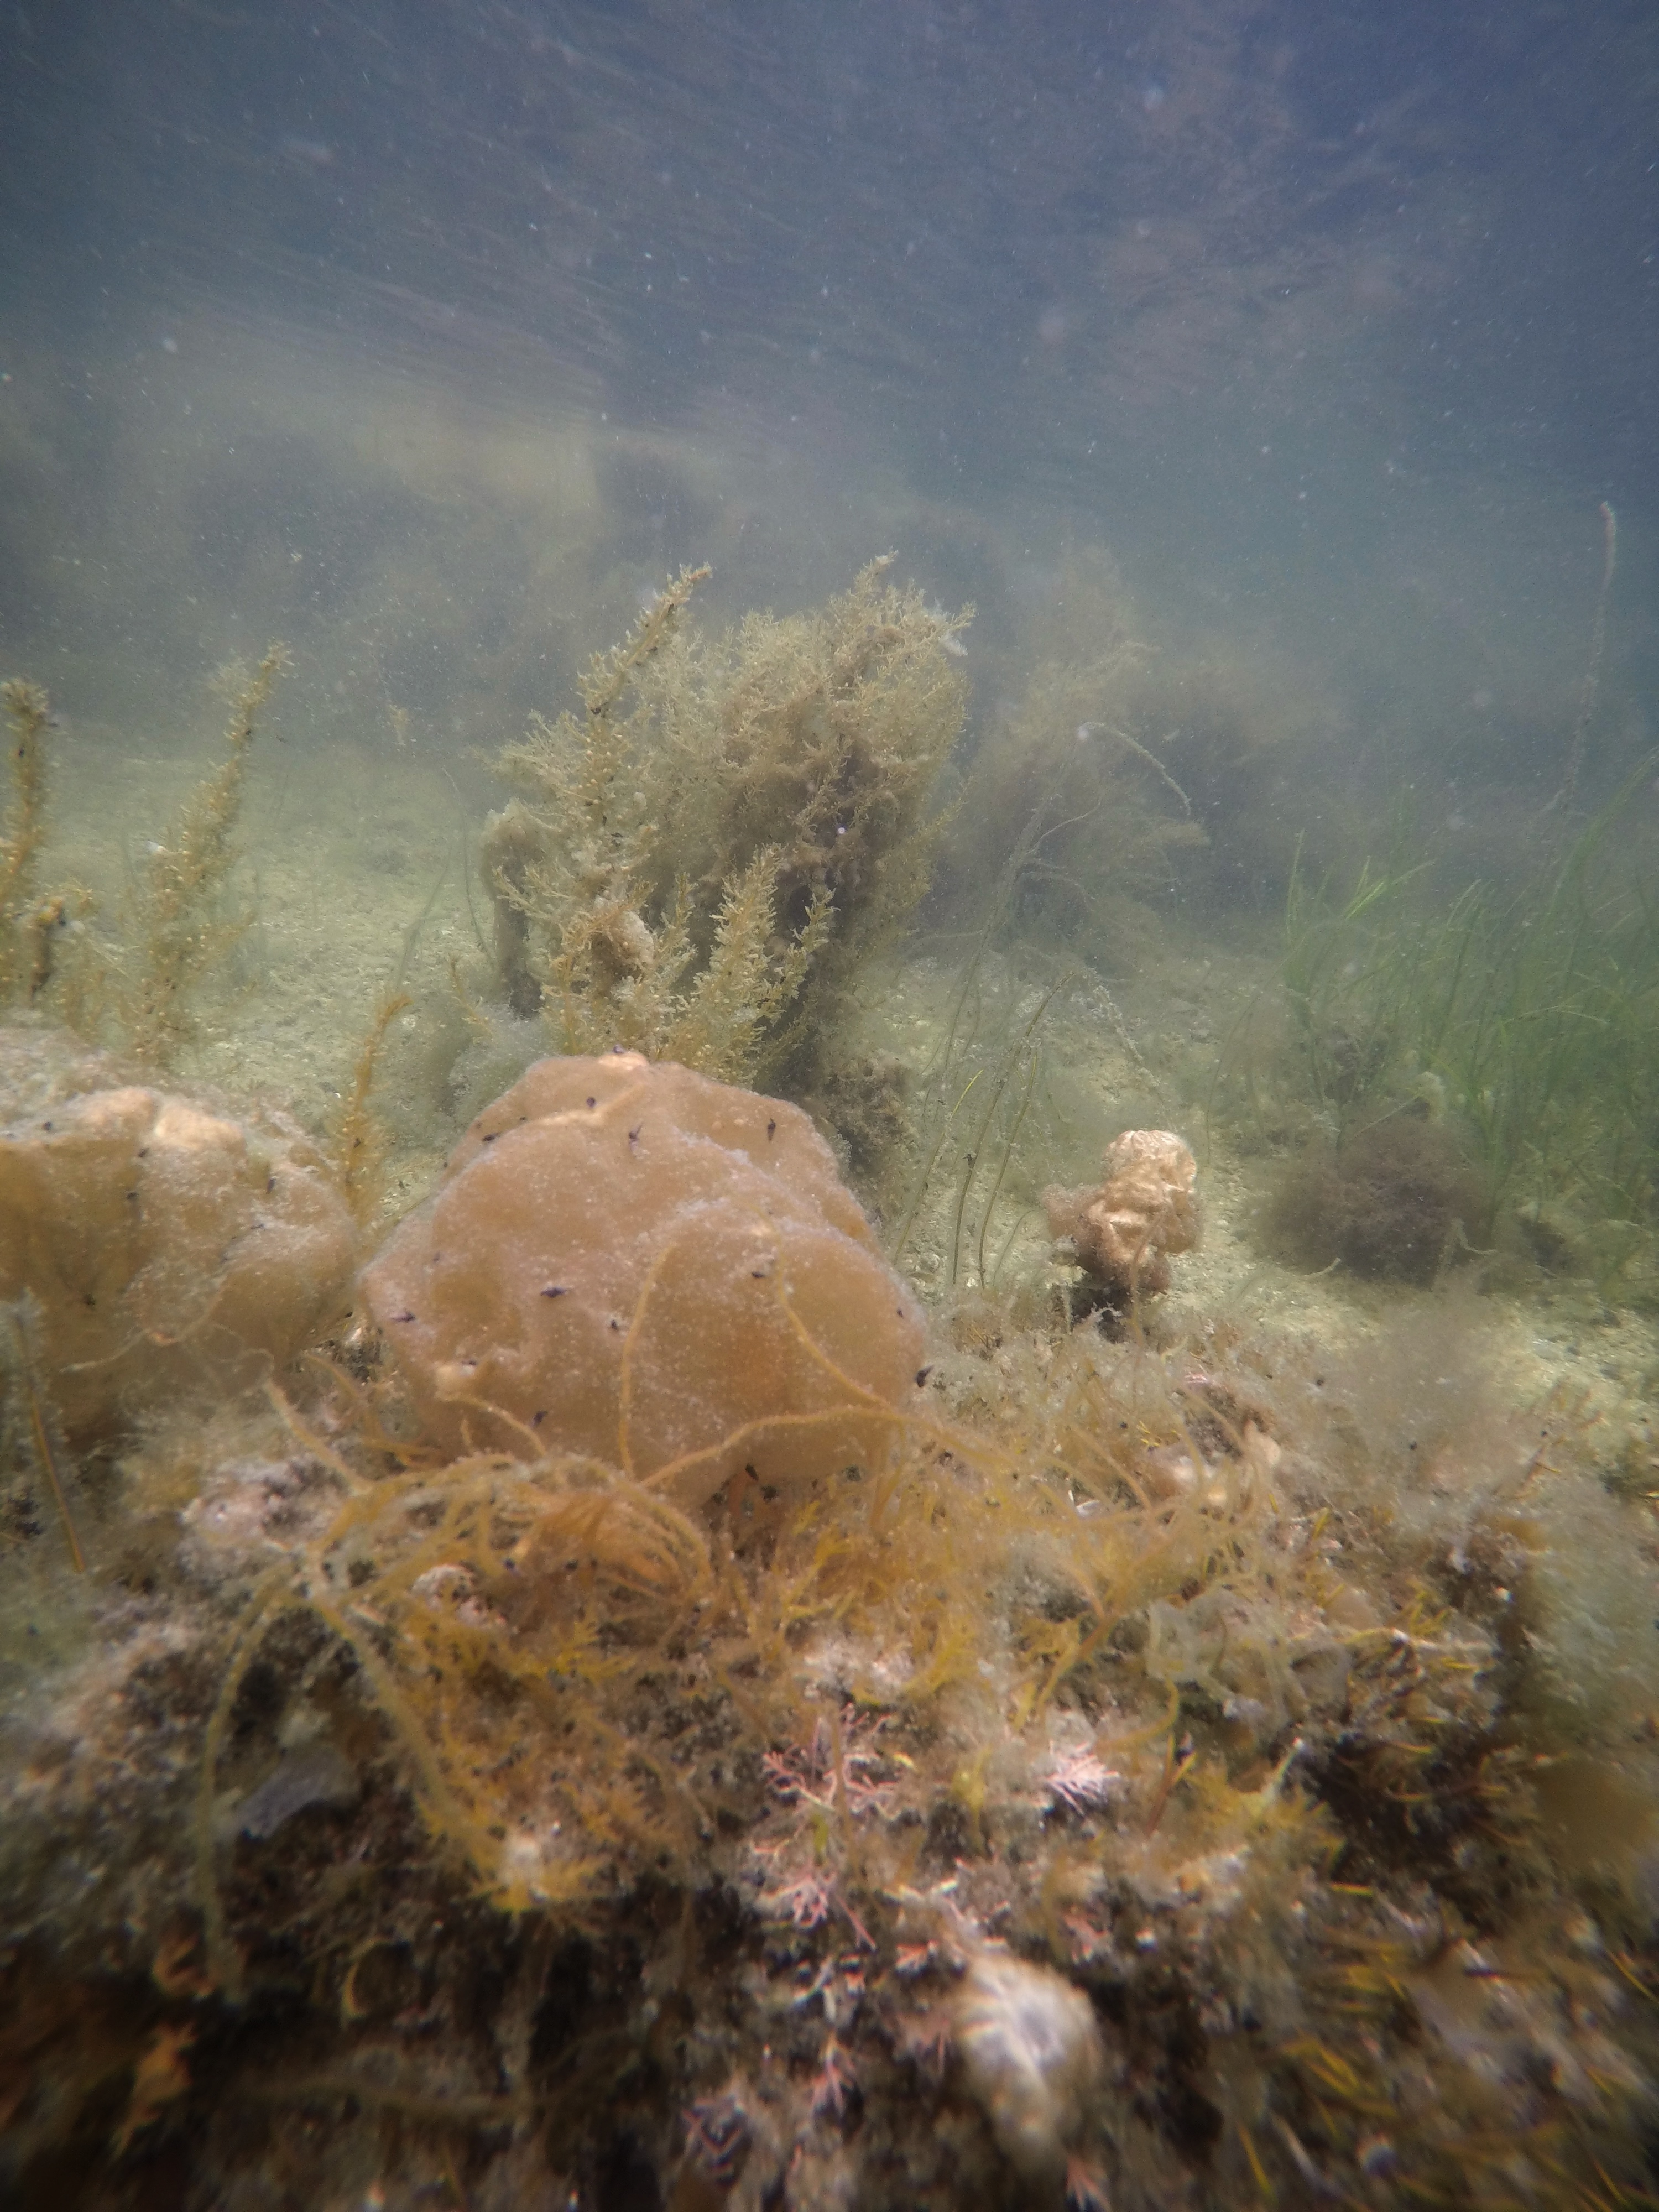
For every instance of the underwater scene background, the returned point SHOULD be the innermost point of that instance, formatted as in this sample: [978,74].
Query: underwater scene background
[830,1105]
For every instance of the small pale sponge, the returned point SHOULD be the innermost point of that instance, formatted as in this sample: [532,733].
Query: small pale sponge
[164,1240]
[634,1263]
[1143,1209]
[1033,2057]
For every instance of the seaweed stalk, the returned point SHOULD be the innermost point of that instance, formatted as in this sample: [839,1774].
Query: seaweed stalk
[182,937]
[360,1141]
[38,1438]
[608,675]
[27,713]
[1564,798]
[1005,1066]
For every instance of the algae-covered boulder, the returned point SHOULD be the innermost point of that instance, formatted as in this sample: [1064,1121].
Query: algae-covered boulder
[635,1263]
[162,1241]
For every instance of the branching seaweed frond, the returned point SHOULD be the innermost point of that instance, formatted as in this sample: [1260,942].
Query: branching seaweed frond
[31,1430]
[181,929]
[28,712]
[360,1138]
[729,1016]
[732,824]
[608,675]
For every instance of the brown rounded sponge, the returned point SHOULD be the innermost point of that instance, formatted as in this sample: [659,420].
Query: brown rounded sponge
[163,1240]
[635,1263]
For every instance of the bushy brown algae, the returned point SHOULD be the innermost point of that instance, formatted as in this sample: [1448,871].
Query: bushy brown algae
[27,712]
[139,989]
[36,1453]
[1396,1199]
[180,927]
[728,830]
[1069,797]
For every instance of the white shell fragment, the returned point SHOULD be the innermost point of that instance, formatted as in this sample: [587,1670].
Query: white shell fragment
[1033,2056]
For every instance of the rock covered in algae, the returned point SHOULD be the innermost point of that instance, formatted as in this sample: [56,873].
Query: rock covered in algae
[164,1240]
[635,1263]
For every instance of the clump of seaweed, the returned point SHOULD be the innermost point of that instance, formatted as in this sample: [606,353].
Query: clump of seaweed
[179,930]
[509,1614]
[972,1100]
[1091,1682]
[30,1430]
[32,924]
[359,1138]
[1397,1199]
[984,1111]
[1582,721]
[485,1596]
[27,712]
[1110,814]
[703,858]
[1522,1021]
[1350,966]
